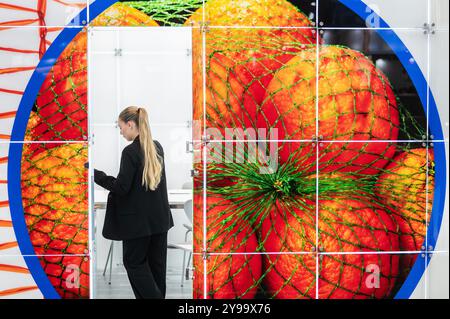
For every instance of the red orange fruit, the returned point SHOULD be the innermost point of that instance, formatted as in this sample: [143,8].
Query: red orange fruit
[355,103]
[231,272]
[407,187]
[346,226]
[55,201]
[241,62]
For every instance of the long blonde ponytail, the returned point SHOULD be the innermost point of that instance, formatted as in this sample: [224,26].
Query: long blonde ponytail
[152,160]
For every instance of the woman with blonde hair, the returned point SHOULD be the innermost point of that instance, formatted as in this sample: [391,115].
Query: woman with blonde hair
[138,211]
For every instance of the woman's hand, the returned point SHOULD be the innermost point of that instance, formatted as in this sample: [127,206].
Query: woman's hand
[99,177]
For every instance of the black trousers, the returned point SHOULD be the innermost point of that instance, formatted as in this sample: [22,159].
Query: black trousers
[145,260]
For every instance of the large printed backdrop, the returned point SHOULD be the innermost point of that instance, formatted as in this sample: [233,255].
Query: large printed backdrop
[343,214]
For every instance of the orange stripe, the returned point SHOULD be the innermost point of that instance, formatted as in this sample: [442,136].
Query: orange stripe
[19,22]
[42,7]
[3,182]
[54,29]
[17,50]
[11,91]
[5,115]
[5,223]
[11,268]
[4,203]
[12,6]
[14,291]
[3,160]
[6,28]
[16,70]
[5,137]
[78,5]
[8,245]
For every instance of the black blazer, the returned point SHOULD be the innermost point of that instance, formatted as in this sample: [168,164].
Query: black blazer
[132,211]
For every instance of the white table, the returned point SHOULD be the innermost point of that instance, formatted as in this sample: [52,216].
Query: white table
[177,198]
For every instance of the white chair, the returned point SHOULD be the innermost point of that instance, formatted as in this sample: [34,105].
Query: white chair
[188,212]
[110,260]
[187,185]
[186,246]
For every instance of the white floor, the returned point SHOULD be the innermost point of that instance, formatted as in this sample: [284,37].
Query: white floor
[120,286]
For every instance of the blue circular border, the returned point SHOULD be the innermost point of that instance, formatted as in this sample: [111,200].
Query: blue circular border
[67,35]
[435,127]
[18,134]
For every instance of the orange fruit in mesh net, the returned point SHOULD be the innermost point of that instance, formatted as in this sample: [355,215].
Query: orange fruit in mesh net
[248,13]
[212,157]
[198,218]
[62,101]
[119,14]
[347,227]
[221,162]
[241,62]
[403,188]
[374,277]
[231,272]
[356,103]
[55,201]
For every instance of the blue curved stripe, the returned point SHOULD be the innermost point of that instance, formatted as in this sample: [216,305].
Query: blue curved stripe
[440,192]
[18,134]
[435,127]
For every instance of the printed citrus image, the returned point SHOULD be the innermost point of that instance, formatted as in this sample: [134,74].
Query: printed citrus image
[355,102]
[242,61]
[54,193]
[54,179]
[407,186]
[27,30]
[346,224]
[348,193]
[325,198]
[227,276]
